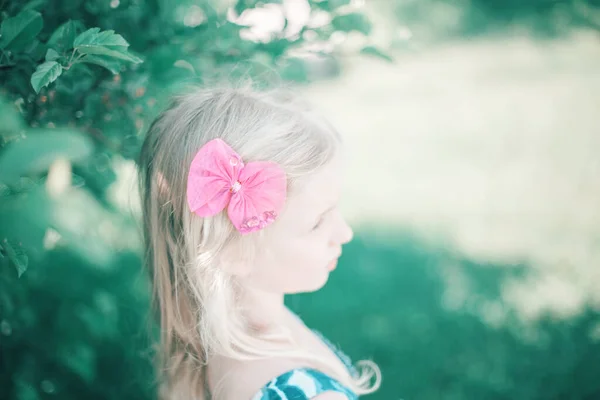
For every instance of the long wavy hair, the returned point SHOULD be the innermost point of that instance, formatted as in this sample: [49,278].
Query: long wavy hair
[194,299]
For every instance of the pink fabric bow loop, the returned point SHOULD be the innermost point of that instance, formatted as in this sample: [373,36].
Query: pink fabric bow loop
[253,193]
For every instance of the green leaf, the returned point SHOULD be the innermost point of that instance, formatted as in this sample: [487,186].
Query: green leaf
[25,391]
[119,53]
[52,55]
[352,22]
[106,43]
[35,4]
[338,3]
[81,359]
[35,50]
[329,5]
[39,150]
[63,37]
[93,37]
[79,80]
[19,31]
[11,120]
[242,5]
[374,51]
[45,74]
[16,255]
[110,64]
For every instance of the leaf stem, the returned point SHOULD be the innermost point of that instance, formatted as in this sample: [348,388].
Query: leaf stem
[71,61]
[71,58]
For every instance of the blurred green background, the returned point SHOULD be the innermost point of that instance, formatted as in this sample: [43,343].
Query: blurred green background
[475,268]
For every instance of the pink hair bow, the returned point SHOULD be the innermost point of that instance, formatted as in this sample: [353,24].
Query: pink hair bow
[253,193]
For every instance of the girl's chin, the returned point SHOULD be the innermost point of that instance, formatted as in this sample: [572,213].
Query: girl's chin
[332,265]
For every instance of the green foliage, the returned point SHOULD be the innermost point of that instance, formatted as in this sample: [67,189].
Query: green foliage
[105,43]
[374,51]
[40,150]
[64,36]
[80,82]
[15,256]
[20,30]
[351,22]
[11,121]
[46,73]
[442,20]
[330,5]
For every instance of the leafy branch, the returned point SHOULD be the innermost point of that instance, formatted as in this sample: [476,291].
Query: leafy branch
[92,46]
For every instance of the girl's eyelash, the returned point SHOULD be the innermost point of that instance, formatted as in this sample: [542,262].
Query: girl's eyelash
[319,223]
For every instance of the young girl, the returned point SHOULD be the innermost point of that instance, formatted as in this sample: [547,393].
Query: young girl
[239,196]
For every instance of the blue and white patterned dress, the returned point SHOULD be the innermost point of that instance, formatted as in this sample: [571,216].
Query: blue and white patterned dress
[306,383]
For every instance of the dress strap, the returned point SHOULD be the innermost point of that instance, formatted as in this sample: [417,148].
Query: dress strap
[301,384]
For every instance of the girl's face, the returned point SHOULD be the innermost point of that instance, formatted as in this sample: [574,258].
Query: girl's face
[306,240]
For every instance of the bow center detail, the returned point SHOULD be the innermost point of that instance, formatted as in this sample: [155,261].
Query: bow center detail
[235,187]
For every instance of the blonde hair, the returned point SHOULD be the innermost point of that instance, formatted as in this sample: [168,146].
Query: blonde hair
[192,293]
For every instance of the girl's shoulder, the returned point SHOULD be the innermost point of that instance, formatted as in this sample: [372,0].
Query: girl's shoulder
[282,378]
[274,379]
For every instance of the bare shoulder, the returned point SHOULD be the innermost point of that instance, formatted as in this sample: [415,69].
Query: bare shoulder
[235,380]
